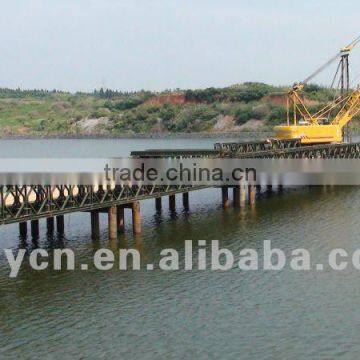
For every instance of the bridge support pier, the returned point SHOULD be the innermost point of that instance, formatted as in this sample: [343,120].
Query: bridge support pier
[60,224]
[35,228]
[120,216]
[112,222]
[50,225]
[236,196]
[136,217]
[95,224]
[23,229]
[225,197]
[158,203]
[172,202]
[252,194]
[242,195]
[186,201]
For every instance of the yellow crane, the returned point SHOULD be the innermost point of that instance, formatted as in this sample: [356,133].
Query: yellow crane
[330,124]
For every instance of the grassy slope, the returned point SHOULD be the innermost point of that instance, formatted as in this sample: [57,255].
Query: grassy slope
[56,113]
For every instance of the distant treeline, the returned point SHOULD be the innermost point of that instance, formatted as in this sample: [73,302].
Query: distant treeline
[20,94]
[246,92]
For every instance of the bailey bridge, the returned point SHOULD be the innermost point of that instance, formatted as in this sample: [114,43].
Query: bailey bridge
[23,204]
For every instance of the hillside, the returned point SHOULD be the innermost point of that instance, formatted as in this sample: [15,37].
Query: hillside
[244,107]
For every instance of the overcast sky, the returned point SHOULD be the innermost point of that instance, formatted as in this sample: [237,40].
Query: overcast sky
[159,44]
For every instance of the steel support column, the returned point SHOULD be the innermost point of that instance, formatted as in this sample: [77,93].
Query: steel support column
[23,229]
[112,222]
[236,196]
[172,202]
[35,228]
[225,197]
[136,217]
[50,224]
[158,203]
[60,224]
[120,215]
[95,224]
[186,200]
[252,194]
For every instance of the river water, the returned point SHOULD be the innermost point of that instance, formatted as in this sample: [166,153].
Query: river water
[187,314]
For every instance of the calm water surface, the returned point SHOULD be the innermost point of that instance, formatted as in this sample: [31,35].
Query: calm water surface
[187,315]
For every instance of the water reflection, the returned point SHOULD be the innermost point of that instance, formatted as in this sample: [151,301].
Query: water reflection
[131,314]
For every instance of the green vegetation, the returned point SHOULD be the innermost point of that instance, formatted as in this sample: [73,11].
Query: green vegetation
[108,112]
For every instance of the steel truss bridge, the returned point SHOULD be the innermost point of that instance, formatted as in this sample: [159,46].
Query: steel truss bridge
[23,203]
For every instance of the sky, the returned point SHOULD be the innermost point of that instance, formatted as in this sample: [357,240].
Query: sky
[81,45]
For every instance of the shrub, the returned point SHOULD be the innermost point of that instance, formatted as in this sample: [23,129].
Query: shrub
[194,118]
[127,104]
[242,114]
[101,112]
[277,115]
